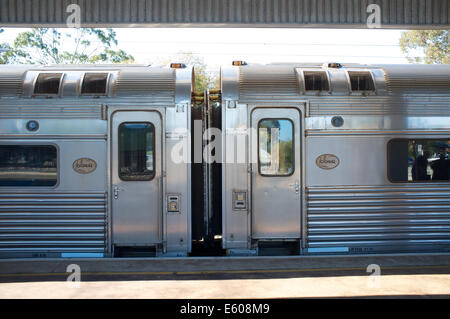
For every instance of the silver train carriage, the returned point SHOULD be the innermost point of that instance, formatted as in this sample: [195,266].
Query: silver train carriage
[85,161]
[335,159]
[101,161]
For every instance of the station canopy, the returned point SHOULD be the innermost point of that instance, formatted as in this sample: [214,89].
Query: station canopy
[389,14]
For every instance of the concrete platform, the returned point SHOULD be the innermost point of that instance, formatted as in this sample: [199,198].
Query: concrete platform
[424,275]
[389,286]
[357,264]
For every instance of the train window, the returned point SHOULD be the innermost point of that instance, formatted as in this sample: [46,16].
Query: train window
[94,83]
[316,81]
[136,151]
[276,152]
[361,81]
[419,160]
[28,165]
[47,83]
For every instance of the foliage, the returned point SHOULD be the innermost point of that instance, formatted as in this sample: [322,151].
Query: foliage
[5,50]
[52,46]
[203,79]
[429,46]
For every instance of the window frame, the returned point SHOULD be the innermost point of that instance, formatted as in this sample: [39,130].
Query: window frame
[58,166]
[90,95]
[293,147]
[361,92]
[315,92]
[388,166]
[119,150]
[34,94]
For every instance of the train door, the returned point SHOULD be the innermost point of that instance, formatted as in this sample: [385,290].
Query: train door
[136,178]
[276,190]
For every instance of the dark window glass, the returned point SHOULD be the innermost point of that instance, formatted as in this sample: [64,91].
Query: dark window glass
[28,165]
[276,153]
[47,83]
[419,160]
[136,151]
[361,81]
[316,81]
[94,83]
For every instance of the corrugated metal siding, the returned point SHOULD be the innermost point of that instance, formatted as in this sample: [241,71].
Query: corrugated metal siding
[11,83]
[225,13]
[397,218]
[159,84]
[52,223]
[262,83]
[414,105]
[20,108]
[401,81]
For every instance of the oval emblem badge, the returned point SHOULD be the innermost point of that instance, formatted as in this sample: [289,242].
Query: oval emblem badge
[84,165]
[327,161]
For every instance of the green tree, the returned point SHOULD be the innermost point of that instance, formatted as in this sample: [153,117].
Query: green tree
[73,46]
[5,51]
[429,46]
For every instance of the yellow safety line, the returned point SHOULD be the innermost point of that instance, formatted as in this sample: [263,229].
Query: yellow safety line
[201,272]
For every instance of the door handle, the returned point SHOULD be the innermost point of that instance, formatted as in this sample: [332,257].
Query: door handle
[296,187]
[116,190]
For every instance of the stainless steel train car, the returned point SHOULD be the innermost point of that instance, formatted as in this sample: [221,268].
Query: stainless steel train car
[335,159]
[102,161]
[86,161]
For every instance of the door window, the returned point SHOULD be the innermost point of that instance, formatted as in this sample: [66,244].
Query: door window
[136,151]
[276,152]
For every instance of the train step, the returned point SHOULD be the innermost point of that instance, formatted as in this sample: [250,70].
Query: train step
[130,252]
[278,248]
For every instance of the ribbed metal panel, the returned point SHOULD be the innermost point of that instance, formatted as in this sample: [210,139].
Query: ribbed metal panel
[400,81]
[225,13]
[52,223]
[415,105]
[261,82]
[378,219]
[31,109]
[11,83]
[68,108]
[159,84]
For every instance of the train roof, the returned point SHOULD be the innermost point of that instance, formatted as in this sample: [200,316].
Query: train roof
[165,84]
[290,79]
[342,89]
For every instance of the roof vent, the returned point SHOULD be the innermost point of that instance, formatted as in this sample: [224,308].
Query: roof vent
[316,81]
[48,83]
[94,84]
[361,81]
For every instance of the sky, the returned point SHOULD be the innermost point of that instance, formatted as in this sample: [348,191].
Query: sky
[220,46]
